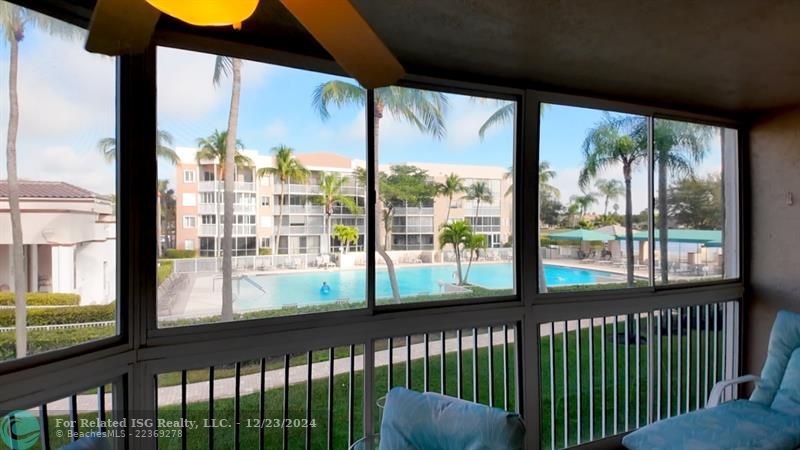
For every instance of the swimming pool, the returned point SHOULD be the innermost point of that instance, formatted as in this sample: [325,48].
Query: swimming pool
[304,288]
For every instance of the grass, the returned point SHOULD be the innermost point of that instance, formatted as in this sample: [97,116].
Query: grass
[164,270]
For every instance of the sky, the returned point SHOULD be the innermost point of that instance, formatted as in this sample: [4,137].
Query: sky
[67,104]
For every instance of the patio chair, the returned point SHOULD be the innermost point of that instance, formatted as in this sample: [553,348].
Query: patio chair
[412,420]
[769,420]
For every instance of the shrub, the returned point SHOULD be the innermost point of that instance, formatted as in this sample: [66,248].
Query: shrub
[174,253]
[264,251]
[61,315]
[44,340]
[42,299]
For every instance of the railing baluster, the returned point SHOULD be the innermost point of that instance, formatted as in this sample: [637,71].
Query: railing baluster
[615,371]
[390,372]
[678,356]
[443,363]
[286,363]
[475,365]
[211,407]
[459,365]
[309,362]
[101,408]
[603,377]
[551,365]
[565,382]
[627,375]
[688,358]
[697,358]
[705,353]
[408,362]
[426,382]
[591,378]
[184,411]
[262,403]
[351,395]
[659,357]
[237,399]
[726,375]
[669,362]
[73,416]
[716,342]
[506,387]
[578,370]
[330,397]
[44,427]
[638,383]
[491,366]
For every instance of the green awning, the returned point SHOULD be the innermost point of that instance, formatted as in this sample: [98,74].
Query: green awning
[582,235]
[713,244]
[684,235]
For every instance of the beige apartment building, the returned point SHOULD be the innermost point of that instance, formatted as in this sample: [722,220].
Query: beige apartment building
[303,230]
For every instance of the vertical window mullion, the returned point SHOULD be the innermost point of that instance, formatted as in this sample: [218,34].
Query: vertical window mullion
[651,268]
[372,201]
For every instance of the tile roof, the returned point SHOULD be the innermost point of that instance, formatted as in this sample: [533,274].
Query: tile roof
[47,189]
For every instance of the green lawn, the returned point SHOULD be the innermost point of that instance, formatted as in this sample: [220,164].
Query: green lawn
[164,270]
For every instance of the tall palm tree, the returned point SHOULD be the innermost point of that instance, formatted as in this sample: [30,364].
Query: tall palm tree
[287,168]
[474,244]
[425,110]
[330,186]
[164,141]
[346,235]
[14,22]
[452,185]
[546,174]
[584,202]
[458,235]
[610,190]
[613,141]
[479,191]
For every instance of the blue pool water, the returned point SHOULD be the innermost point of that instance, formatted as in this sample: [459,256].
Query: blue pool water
[304,288]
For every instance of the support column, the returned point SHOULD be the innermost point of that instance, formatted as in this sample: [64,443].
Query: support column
[63,268]
[33,270]
[11,268]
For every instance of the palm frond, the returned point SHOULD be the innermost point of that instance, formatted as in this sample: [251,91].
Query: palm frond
[223,67]
[108,148]
[337,93]
[502,115]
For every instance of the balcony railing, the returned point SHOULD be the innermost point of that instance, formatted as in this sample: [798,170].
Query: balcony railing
[239,186]
[303,209]
[314,189]
[238,230]
[482,211]
[238,208]
[414,211]
[410,229]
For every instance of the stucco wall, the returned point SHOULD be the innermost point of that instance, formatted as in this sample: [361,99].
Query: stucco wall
[775,228]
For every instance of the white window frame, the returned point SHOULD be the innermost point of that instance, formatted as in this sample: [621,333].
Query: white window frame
[189,176]
[189,219]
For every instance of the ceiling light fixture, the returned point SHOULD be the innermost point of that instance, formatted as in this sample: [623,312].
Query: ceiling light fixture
[207,13]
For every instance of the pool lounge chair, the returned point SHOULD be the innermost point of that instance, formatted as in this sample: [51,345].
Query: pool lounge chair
[768,420]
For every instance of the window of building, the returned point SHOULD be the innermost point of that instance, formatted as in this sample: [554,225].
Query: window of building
[266,221]
[459,172]
[189,221]
[188,244]
[188,176]
[265,242]
[65,147]
[265,200]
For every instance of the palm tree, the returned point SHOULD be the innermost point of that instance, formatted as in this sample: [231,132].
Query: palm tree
[479,191]
[611,190]
[287,167]
[474,244]
[346,235]
[423,109]
[584,202]
[14,21]
[330,185]
[458,235]
[164,194]
[546,174]
[452,185]
[613,141]
[108,147]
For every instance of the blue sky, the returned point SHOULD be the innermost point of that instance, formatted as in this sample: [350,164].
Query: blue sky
[67,104]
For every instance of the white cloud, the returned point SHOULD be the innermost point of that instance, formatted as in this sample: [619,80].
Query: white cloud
[276,130]
[63,163]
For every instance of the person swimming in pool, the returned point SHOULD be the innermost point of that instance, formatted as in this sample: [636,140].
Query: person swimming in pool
[325,288]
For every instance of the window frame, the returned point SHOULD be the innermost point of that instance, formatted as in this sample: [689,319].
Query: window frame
[190,218]
[186,178]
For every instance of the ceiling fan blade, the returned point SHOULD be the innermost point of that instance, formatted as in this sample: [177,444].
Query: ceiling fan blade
[121,27]
[344,33]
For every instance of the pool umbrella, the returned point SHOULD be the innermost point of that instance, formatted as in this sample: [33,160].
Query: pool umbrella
[582,235]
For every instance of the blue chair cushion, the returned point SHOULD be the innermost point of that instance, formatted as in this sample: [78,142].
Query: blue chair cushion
[93,442]
[783,341]
[429,421]
[736,425]
[787,400]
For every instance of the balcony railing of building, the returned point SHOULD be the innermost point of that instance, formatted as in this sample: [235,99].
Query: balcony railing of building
[414,211]
[238,230]
[239,186]
[302,209]
[302,229]
[238,208]
[482,211]
[314,189]
[412,229]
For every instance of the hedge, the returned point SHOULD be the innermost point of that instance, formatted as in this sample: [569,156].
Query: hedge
[40,341]
[174,253]
[164,270]
[264,251]
[62,315]
[42,299]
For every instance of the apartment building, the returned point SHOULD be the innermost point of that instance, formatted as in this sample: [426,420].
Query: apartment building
[301,222]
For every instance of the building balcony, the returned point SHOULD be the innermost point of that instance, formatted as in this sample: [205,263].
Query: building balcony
[238,208]
[303,209]
[482,211]
[238,230]
[238,186]
[313,189]
[414,211]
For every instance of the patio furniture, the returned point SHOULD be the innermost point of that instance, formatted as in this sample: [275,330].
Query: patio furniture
[431,421]
[769,420]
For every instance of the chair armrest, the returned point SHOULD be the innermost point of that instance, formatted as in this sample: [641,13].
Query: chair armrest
[716,391]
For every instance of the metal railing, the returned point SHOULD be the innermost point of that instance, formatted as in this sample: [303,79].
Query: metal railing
[238,208]
[413,211]
[238,230]
[211,186]
[249,263]
[601,376]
